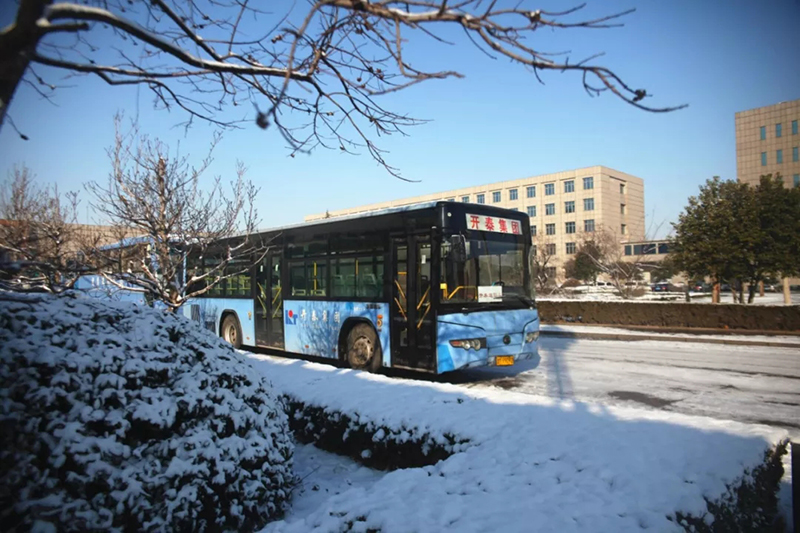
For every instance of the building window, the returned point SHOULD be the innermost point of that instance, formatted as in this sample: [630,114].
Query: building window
[622,188]
[551,248]
[533,234]
[794,127]
[531,211]
[550,272]
[481,198]
[588,183]
[588,225]
[513,194]
[623,229]
[450,200]
[533,249]
[550,209]
[465,199]
[797,180]
[569,186]
[550,229]
[627,249]
[588,204]
[779,156]
[763,159]
[795,154]
[530,191]
[496,197]
[763,133]
[778,130]
[569,207]
[621,209]
[571,247]
[549,189]
[514,209]
[569,227]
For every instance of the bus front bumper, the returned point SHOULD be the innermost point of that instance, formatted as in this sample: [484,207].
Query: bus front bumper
[512,339]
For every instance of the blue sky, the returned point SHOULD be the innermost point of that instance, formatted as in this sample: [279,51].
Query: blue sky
[498,123]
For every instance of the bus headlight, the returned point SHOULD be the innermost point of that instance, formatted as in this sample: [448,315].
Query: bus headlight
[531,336]
[466,344]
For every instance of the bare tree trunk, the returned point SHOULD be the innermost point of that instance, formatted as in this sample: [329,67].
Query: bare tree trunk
[752,295]
[761,288]
[787,295]
[715,293]
[17,45]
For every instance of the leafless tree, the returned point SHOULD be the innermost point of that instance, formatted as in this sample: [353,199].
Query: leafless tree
[542,255]
[40,240]
[603,247]
[187,241]
[315,72]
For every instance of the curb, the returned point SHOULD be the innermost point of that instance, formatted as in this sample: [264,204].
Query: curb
[698,339]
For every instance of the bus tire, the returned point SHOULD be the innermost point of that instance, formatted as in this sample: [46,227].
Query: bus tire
[363,348]
[231,330]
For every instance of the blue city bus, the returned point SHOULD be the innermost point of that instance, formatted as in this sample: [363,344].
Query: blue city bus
[433,287]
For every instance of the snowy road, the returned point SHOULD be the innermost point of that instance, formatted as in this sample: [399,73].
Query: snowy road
[749,384]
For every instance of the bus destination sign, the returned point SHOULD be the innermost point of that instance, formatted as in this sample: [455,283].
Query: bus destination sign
[493,224]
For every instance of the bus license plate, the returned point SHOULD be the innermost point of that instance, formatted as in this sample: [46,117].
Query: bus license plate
[504,360]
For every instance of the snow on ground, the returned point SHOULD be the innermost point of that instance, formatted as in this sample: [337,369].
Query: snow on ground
[785,492]
[579,328]
[751,384]
[323,475]
[559,464]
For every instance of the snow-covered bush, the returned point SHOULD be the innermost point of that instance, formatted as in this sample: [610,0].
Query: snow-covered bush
[120,416]
[375,445]
[750,505]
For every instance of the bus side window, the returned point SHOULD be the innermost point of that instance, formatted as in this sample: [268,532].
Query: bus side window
[297,278]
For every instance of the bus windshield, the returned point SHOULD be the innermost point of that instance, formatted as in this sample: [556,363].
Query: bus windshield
[483,268]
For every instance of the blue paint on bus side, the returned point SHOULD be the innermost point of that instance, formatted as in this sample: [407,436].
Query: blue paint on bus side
[212,309]
[494,326]
[312,327]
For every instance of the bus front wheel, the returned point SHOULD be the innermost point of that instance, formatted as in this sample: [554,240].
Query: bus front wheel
[364,348]
[231,331]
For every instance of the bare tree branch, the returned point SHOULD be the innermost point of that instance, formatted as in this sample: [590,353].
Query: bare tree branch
[316,73]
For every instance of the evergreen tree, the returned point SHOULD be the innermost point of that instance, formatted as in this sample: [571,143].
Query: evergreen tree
[776,250]
[732,232]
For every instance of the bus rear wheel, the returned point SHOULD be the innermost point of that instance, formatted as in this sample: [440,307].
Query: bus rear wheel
[364,348]
[231,331]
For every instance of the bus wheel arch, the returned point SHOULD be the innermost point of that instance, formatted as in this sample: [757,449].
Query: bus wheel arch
[360,346]
[230,329]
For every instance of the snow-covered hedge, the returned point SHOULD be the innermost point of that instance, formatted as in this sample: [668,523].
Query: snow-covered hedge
[120,416]
[750,505]
[375,445]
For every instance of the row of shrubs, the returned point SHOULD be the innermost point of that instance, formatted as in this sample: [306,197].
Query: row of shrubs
[749,505]
[374,445]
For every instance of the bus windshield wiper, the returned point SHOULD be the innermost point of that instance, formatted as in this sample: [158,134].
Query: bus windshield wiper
[524,299]
[468,310]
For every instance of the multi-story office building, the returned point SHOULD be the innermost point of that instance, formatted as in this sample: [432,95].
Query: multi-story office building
[768,142]
[562,206]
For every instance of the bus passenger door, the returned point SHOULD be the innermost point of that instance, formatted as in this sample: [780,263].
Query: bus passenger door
[269,301]
[411,308]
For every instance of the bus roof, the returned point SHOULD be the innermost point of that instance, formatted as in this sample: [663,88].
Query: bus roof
[377,212]
[372,213]
[130,241]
